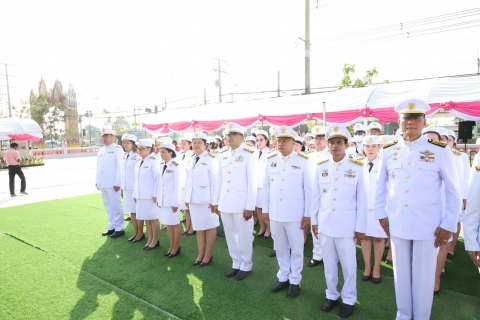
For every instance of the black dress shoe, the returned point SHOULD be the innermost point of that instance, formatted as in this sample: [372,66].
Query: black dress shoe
[189,234]
[450,255]
[279,286]
[184,233]
[175,254]
[366,278]
[390,262]
[346,310]
[183,220]
[196,263]
[267,237]
[117,234]
[145,247]
[203,264]
[272,254]
[435,292]
[376,280]
[127,219]
[155,246]
[135,240]
[327,305]
[293,291]
[314,263]
[259,235]
[164,228]
[442,273]
[108,233]
[166,254]
[232,273]
[131,239]
[242,275]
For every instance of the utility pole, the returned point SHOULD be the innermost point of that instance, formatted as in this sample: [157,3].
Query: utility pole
[278,83]
[307,46]
[135,118]
[204,96]
[8,92]
[219,79]
[165,100]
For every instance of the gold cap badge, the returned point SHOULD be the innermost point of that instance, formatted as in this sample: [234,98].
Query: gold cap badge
[335,129]
[369,140]
[283,130]
[411,105]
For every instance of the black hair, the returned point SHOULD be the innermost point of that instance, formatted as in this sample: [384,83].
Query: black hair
[174,154]
[266,139]
[438,135]
[13,145]
[134,148]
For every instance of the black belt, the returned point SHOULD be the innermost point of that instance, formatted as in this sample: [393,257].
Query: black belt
[14,165]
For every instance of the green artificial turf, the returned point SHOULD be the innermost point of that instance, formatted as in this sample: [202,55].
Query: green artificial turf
[77,274]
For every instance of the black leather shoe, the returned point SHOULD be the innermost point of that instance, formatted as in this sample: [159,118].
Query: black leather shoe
[293,291]
[145,247]
[175,254]
[135,240]
[166,254]
[232,273]
[117,234]
[203,264]
[390,262]
[259,235]
[131,239]
[279,286]
[242,275]
[164,228]
[267,237]
[450,255]
[366,278]
[108,233]
[196,263]
[328,305]
[190,234]
[183,220]
[272,254]
[376,280]
[314,263]
[155,246]
[127,219]
[435,292]
[184,233]
[442,273]
[346,310]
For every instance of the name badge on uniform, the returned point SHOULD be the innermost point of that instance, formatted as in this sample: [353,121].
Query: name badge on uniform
[350,173]
[145,167]
[427,156]
[325,173]
[169,171]
[225,158]
[204,164]
[134,158]
[296,167]
[110,152]
[273,165]
[239,159]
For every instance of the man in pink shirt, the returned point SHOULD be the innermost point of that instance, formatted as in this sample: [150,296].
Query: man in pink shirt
[12,158]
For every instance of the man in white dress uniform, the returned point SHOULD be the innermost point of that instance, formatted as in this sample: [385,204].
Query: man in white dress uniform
[471,219]
[414,165]
[108,181]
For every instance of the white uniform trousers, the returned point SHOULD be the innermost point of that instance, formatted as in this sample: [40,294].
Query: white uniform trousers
[317,248]
[414,263]
[113,205]
[343,250]
[239,240]
[288,240]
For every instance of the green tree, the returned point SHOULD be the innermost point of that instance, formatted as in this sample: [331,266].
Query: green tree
[22,112]
[349,70]
[47,116]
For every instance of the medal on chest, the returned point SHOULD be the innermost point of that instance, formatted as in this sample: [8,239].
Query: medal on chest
[325,173]
[350,173]
[427,156]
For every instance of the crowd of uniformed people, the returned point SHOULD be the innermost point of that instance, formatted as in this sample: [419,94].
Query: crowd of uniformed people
[406,193]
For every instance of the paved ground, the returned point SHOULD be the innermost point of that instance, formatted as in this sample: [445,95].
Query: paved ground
[58,178]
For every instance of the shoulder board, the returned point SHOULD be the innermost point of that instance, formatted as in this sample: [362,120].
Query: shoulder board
[175,163]
[308,152]
[153,157]
[214,152]
[360,159]
[457,153]
[118,146]
[192,154]
[272,150]
[322,161]
[249,150]
[272,155]
[386,145]
[211,155]
[303,156]
[357,162]
[477,168]
[437,143]
[223,150]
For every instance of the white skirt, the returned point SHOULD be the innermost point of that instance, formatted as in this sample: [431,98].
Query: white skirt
[259,198]
[182,200]
[202,217]
[374,229]
[168,217]
[147,210]
[128,202]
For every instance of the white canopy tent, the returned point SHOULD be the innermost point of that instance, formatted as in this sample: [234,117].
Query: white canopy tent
[20,129]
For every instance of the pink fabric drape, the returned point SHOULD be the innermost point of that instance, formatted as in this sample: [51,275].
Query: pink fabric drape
[24,137]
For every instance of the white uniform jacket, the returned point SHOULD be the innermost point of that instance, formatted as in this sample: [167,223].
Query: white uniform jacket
[128,170]
[339,198]
[262,164]
[465,174]
[109,166]
[236,188]
[415,171]
[201,178]
[287,187]
[146,176]
[169,185]
[471,219]
[371,181]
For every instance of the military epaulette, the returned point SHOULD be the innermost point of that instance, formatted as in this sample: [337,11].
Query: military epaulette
[223,149]
[457,153]
[303,156]
[272,155]
[478,168]
[308,152]
[272,150]
[386,145]
[118,146]
[211,155]
[360,159]
[214,151]
[153,157]
[322,161]
[175,163]
[437,143]
[357,162]
[249,150]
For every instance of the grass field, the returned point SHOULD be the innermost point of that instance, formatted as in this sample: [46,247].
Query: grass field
[54,264]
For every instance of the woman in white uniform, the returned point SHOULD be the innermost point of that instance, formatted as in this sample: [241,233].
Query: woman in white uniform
[168,197]
[263,145]
[147,171]
[202,172]
[183,157]
[128,181]
[375,233]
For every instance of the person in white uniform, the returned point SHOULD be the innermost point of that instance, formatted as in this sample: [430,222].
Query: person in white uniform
[299,147]
[263,150]
[374,129]
[128,181]
[109,181]
[384,139]
[471,219]
[339,217]
[147,172]
[311,146]
[273,139]
[359,132]
[250,141]
[374,235]
[306,139]
[202,171]
[414,165]
[183,157]
[286,204]
[236,198]
[168,197]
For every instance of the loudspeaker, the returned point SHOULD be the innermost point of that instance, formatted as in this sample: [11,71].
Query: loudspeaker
[465,130]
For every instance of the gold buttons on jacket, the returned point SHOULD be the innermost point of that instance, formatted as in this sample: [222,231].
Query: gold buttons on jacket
[406,191]
[334,199]
[228,181]
[281,189]
[410,149]
[406,204]
[337,169]
[336,179]
[280,199]
[282,179]
[333,209]
[335,189]
[408,176]
[228,190]
[408,162]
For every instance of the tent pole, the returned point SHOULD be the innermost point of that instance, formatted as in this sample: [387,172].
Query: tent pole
[324,114]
